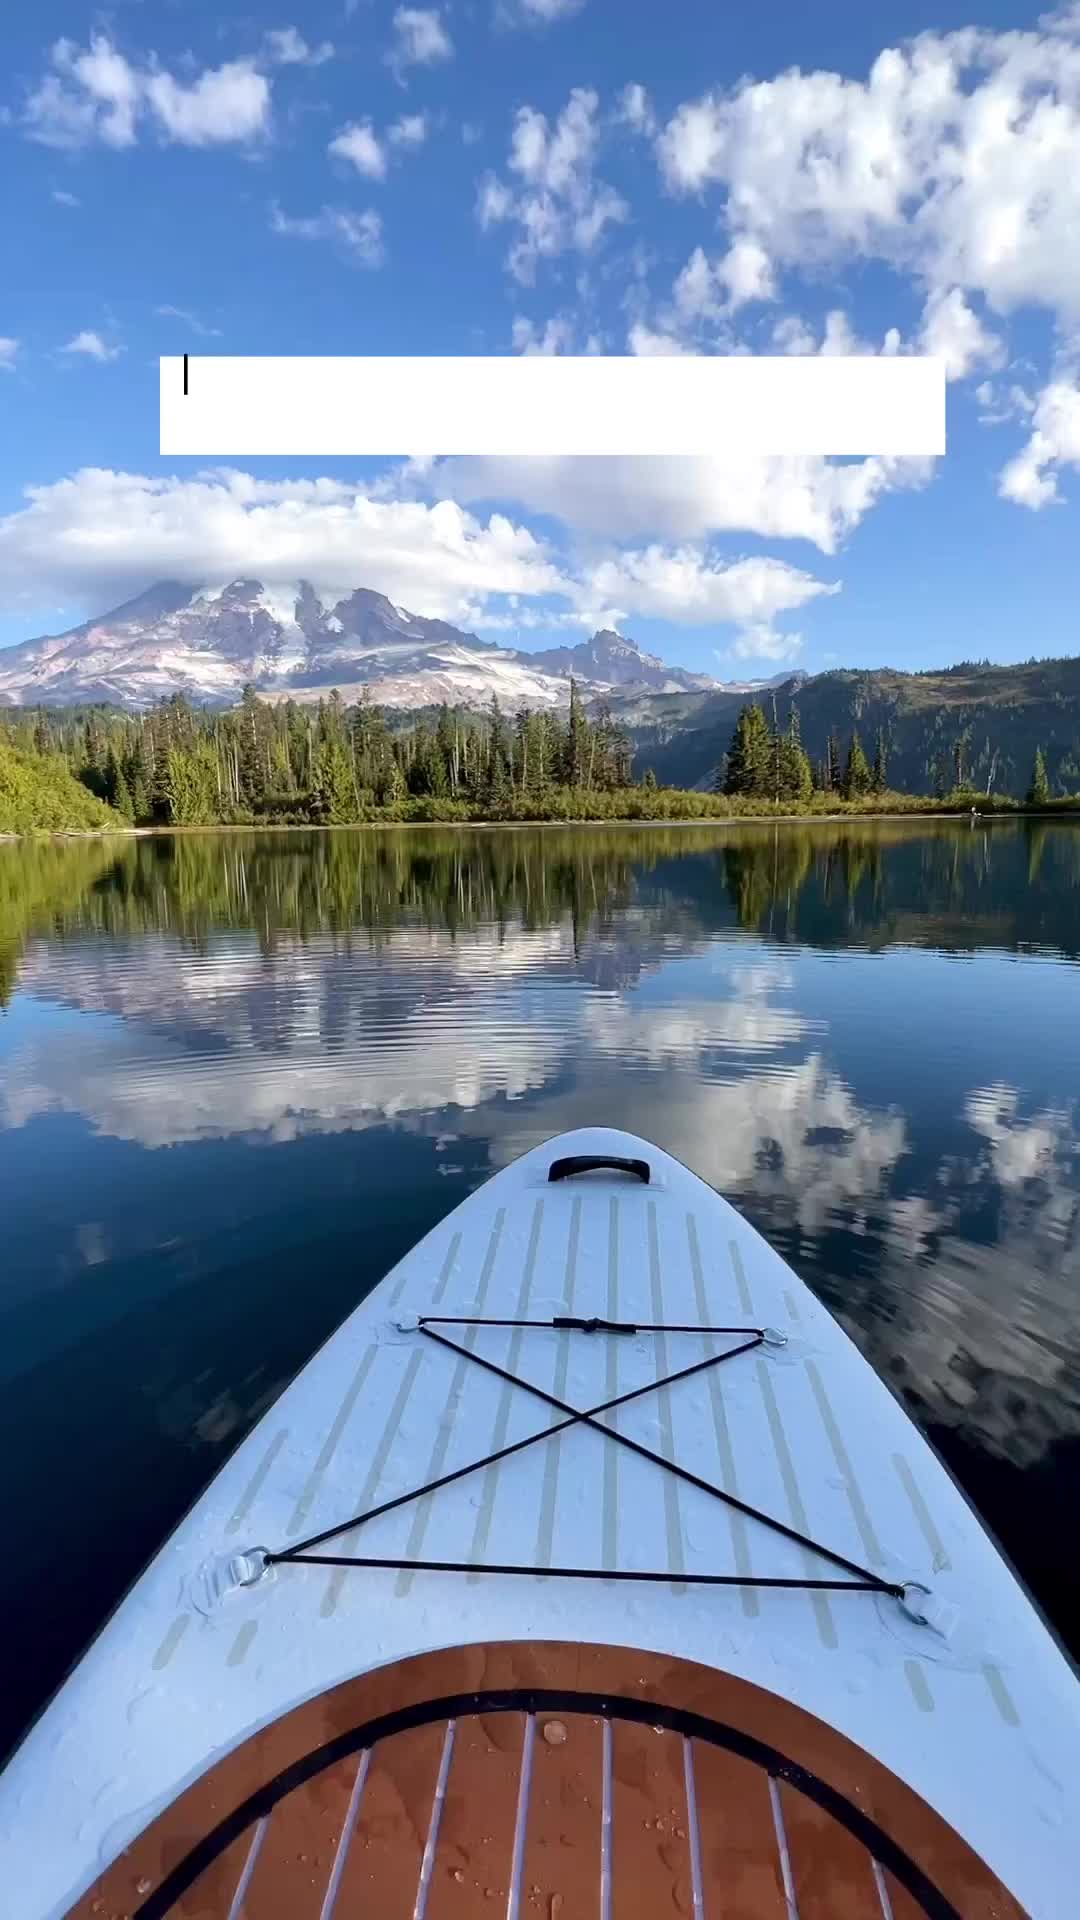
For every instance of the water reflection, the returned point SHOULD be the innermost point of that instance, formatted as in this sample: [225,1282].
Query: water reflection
[229,1060]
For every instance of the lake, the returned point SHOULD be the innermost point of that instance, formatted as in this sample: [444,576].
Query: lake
[241,1073]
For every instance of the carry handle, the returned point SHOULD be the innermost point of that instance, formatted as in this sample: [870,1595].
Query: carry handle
[575,1163]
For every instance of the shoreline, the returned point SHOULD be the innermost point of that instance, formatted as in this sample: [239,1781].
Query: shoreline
[931,812]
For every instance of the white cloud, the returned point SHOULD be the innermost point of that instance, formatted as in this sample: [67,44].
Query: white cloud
[745,273]
[635,109]
[1003,403]
[420,39]
[65,199]
[100,535]
[792,334]
[224,104]
[707,288]
[1031,478]
[790,498]
[642,339]
[97,94]
[92,346]
[411,130]
[556,335]
[954,333]
[190,320]
[8,350]
[357,235]
[91,94]
[360,145]
[287,47]
[763,642]
[557,204]
[954,160]
[694,589]
[535,13]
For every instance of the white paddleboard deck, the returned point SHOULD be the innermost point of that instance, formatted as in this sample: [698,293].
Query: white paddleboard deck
[979,1713]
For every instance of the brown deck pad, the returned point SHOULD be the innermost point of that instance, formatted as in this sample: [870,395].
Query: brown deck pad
[832,1875]
[291,1867]
[563,1831]
[651,1868]
[476,1833]
[740,1864]
[424,1757]
[381,1871]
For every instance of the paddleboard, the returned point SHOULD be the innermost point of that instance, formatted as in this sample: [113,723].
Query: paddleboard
[587,1568]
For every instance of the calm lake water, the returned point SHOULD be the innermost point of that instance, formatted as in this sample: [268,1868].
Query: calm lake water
[241,1074]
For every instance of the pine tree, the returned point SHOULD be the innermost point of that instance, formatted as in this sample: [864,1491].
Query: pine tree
[832,765]
[857,773]
[190,783]
[648,780]
[334,791]
[577,741]
[121,795]
[138,784]
[879,776]
[393,789]
[749,763]
[795,780]
[1038,793]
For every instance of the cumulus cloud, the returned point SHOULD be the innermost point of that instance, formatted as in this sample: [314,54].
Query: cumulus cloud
[763,642]
[360,145]
[228,103]
[99,536]
[954,160]
[287,47]
[552,199]
[690,588]
[411,130]
[635,109]
[777,497]
[555,336]
[535,13]
[92,346]
[420,38]
[792,334]
[707,288]
[643,339]
[357,236]
[97,95]
[8,350]
[1031,478]
[100,533]
[953,332]
[65,199]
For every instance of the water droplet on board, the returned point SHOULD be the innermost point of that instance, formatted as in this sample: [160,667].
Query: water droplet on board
[554,1732]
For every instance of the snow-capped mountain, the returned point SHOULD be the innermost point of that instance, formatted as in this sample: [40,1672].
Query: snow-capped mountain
[287,641]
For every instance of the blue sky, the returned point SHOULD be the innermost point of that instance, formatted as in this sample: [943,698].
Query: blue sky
[568,175]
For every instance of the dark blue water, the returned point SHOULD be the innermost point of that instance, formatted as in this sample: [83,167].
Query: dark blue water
[241,1074]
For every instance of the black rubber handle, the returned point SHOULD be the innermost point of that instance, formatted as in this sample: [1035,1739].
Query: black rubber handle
[595,1163]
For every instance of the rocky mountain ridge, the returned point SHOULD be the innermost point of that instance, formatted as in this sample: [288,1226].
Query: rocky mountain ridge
[289,641]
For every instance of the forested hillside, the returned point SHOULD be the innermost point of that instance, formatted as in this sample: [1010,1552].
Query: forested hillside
[974,731]
[976,725]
